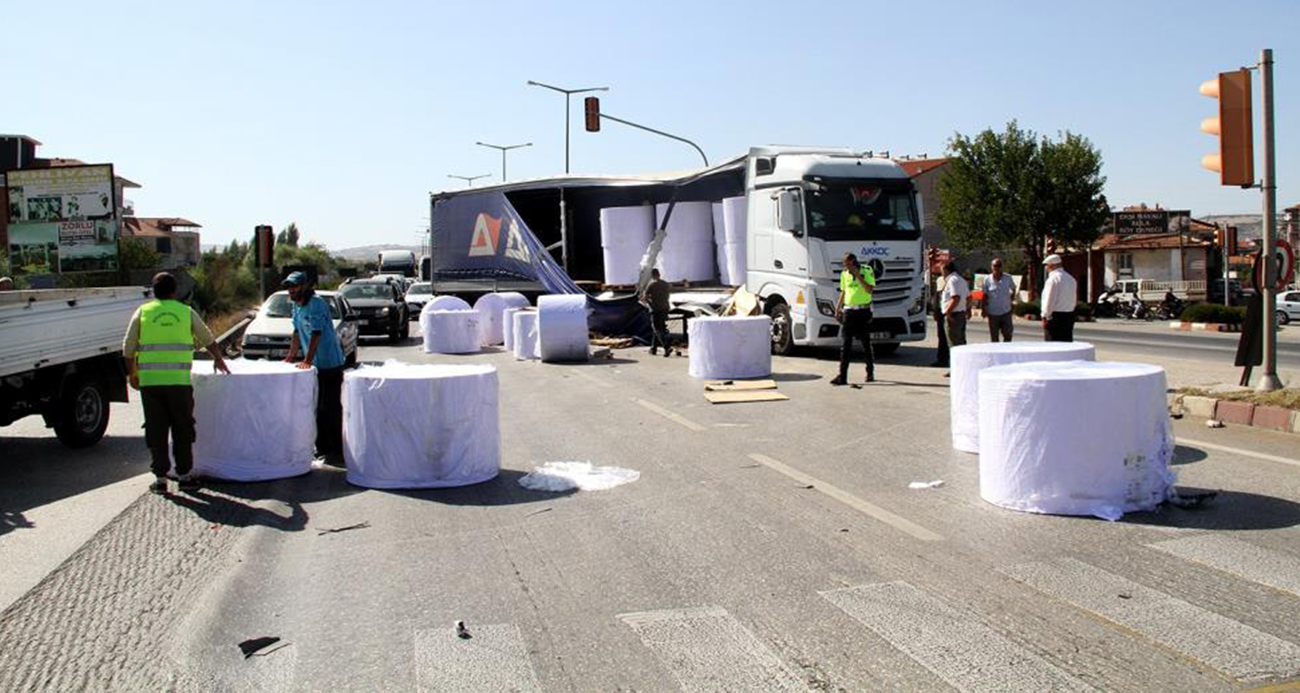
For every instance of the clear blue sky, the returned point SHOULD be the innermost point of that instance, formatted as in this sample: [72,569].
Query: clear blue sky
[342,116]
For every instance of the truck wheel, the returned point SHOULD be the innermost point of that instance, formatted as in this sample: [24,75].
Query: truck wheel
[81,415]
[782,332]
[883,349]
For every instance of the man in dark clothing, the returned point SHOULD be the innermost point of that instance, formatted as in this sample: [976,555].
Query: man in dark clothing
[853,310]
[656,296]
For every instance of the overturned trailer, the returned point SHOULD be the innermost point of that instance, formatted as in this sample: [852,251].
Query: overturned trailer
[798,210]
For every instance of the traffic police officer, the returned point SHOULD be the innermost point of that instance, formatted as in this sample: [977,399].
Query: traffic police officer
[159,348]
[853,310]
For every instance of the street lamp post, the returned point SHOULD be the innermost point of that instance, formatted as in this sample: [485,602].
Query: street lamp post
[504,148]
[567,93]
[469,180]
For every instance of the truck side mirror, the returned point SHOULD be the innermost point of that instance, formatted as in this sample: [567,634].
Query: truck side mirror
[788,212]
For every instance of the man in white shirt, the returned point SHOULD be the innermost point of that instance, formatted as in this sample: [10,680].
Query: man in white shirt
[998,290]
[1060,293]
[955,293]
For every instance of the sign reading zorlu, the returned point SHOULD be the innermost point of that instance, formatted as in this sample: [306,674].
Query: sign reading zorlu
[62,219]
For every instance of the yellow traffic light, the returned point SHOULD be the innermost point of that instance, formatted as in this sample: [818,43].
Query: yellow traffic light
[1235,161]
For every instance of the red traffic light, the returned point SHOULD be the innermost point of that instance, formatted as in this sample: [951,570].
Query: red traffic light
[592,105]
[1235,161]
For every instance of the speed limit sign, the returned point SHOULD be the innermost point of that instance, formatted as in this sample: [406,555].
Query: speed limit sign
[1284,256]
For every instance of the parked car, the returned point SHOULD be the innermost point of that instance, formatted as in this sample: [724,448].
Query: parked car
[380,307]
[1215,292]
[419,294]
[1288,307]
[267,337]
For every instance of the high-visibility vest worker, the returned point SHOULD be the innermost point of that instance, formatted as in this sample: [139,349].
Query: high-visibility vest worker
[166,348]
[854,293]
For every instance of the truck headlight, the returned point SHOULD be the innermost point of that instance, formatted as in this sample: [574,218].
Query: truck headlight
[826,307]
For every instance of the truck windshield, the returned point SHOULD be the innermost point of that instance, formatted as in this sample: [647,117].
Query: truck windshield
[851,212]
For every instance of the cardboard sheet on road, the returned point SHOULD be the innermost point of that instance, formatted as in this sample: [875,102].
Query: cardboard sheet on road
[738,385]
[728,397]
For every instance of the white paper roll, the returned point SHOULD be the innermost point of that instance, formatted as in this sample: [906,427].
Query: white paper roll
[524,335]
[490,308]
[724,276]
[737,267]
[622,264]
[421,426]
[734,214]
[627,226]
[257,422]
[437,303]
[731,347]
[452,332]
[562,327]
[1075,437]
[719,228]
[508,328]
[967,362]
[691,223]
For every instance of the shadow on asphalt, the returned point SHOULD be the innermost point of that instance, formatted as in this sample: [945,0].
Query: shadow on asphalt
[1188,455]
[217,508]
[502,490]
[593,362]
[1230,510]
[794,377]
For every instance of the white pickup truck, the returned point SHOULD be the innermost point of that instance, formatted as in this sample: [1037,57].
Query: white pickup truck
[61,357]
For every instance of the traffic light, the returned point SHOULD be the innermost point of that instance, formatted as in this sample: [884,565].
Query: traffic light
[1235,161]
[265,247]
[592,105]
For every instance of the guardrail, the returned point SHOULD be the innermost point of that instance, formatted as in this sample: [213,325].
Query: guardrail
[229,340]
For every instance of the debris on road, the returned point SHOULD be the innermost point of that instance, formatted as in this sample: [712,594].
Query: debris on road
[1213,423]
[926,484]
[336,530]
[261,647]
[583,476]
[729,385]
[461,631]
[1191,501]
[613,342]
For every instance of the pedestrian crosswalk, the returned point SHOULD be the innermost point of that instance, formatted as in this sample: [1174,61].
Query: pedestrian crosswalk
[967,645]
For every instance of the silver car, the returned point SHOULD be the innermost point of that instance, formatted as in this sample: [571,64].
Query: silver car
[267,337]
[1288,307]
[419,294]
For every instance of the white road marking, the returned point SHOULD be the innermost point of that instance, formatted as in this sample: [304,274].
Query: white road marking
[957,648]
[580,370]
[1232,648]
[1235,557]
[671,416]
[707,649]
[1239,451]
[897,522]
[494,658]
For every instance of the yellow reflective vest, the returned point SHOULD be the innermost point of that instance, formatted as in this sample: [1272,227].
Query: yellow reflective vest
[166,344]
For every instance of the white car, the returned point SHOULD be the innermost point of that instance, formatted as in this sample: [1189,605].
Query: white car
[419,294]
[1288,307]
[267,337]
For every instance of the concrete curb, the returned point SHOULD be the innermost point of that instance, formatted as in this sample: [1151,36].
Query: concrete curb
[1238,413]
[1204,326]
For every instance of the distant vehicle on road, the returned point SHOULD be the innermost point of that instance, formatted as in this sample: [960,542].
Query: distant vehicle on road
[380,307]
[419,294]
[401,262]
[1288,307]
[61,357]
[1215,291]
[267,337]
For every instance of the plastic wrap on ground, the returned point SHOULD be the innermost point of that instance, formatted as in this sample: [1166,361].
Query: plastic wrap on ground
[491,307]
[421,425]
[566,476]
[1075,437]
[451,331]
[524,335]
[256,423]
[562,328]
[967,362]
[730,347]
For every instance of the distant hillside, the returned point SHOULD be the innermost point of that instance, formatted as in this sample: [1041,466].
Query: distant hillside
[370,253]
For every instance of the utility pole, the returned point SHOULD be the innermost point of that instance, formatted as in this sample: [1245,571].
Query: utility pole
[503,148]
[567,93]
[1269,381]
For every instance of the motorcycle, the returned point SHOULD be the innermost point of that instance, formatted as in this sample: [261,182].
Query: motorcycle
[1108,304]
[1135,309]
[1170,308]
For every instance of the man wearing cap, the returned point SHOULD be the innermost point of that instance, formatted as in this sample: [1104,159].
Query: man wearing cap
[1060,293]
[314,334]
[159,348]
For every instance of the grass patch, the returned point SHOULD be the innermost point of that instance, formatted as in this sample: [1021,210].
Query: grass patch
[221,323]
[1287,398]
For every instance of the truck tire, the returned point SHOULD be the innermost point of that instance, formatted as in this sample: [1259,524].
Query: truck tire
[884,349]
[782,329]
[81,415]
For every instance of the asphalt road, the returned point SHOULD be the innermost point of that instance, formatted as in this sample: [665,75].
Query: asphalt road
[771,546]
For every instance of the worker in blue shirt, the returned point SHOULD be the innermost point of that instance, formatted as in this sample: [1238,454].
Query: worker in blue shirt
[315,337]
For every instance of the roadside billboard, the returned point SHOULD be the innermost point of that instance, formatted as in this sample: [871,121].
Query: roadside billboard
[1132,223]
[62,219]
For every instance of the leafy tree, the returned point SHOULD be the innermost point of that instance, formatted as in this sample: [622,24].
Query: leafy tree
[288,236]
[1015,190]
[135,254]
[223,284]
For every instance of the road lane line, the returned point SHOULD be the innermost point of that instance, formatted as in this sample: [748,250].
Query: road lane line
[1235,557]
[897,522]
[957,648]
[671,416]
[1232,648]
[493,658]
[707,649]
[595,379]
[1239,451]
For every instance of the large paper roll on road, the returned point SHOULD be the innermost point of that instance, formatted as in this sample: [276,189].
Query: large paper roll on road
[508,327]
[491,307]
[524,335]
[435,304]
[1075,437]
[421,426]
[729,348]
[562,327]
[257,422]
[452,332]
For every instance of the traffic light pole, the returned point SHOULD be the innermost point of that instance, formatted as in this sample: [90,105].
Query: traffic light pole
[1269,381]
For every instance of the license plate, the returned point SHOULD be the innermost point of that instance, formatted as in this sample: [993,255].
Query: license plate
[363,322]
[881,336]
[277,353]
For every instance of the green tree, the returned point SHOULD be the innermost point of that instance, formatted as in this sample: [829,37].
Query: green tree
[135,254]
[288,236]
[1015,190]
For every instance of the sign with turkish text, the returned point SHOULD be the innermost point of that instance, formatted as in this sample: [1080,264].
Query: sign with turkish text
[62,219]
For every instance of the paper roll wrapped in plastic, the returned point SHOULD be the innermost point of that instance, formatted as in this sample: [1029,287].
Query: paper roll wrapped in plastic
[257,422]
[625,233]
[452,331]
[733,255]
[491,307]
[719,225]
[562,327]
[734,216]
[688,251]
[435,304]
[508,328]
[421,426]
[524,335]
[730,348]
[964,384]
[1075,437]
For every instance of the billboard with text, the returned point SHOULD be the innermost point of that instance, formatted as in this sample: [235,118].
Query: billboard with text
[62,219]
